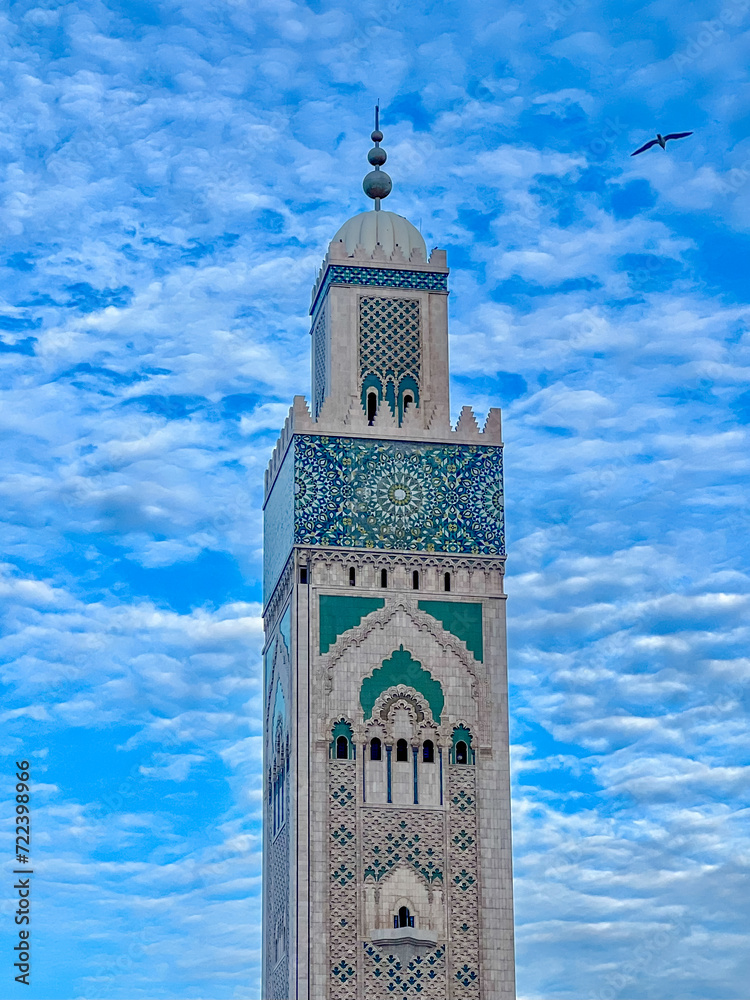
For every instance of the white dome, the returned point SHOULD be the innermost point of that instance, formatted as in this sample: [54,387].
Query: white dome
[386,228]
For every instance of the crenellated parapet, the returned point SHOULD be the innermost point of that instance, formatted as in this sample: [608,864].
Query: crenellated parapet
[355,424]
[380,269]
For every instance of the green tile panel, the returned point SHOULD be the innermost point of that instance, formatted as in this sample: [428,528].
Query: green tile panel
[401,669]
[462,619]
[339,614]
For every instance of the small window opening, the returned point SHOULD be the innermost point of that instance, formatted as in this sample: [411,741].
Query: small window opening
[303,574]
[342,748]
[428,752]
[462,753]
[352,577]
[372,406]
[447,582]
[408,400]
[376,751]
[415,580]
[402,751]
[384,578]
[403,918]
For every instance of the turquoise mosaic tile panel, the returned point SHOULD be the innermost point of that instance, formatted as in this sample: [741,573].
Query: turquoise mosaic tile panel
[398,495]
[278,525]
[383,277]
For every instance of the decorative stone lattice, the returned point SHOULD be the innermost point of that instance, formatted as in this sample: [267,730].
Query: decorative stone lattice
[463,879]
[423,977]
[398,495]
[320,361]
[389,340]
[391,836]
[343,876]
[279,906]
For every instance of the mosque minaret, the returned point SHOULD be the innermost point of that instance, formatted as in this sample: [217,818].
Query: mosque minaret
[387,832]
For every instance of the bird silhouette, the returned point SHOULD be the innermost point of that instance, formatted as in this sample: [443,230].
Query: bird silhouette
[661,140]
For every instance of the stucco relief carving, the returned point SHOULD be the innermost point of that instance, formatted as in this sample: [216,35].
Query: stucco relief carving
[379,619]
[332,556]
[279,672]
[280,598]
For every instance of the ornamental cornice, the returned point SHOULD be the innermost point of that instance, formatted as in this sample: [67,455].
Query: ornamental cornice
[385,559]
[280,597]
[362,268]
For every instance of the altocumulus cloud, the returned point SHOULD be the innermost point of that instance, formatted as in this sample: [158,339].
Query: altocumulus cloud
[171,174]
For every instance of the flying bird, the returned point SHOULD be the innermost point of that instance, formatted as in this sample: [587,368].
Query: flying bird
[661,140]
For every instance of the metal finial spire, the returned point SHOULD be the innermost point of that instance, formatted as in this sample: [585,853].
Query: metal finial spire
[377,184]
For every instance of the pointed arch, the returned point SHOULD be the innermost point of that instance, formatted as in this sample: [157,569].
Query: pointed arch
[401,668]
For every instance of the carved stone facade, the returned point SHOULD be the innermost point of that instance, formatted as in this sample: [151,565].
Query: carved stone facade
[386,732]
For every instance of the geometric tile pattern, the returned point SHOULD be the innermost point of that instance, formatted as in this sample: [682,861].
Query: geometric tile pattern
[423,977]
[279,905]
[404,835]
[389,341]
[343,274]
[463,881]
[278,525]
[342,808]
[398,495]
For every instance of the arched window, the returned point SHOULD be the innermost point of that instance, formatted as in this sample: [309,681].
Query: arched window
[402,750]
[415,580]
[376,750]
[352,577]
[462,751]
[384,578]
[408,400]
[447,582]
[403,918]
[342,745]
[372,406]
[428,752]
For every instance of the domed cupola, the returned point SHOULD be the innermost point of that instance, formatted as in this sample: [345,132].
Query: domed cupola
[377,231]
[379,322]
[386,229]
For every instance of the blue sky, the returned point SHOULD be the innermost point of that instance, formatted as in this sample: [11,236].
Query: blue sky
[171,176]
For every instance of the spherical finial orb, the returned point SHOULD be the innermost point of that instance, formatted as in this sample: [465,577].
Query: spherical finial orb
[377,156]
[377,184]
[377,135]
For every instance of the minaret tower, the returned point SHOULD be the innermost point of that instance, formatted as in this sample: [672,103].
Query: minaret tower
[387,837]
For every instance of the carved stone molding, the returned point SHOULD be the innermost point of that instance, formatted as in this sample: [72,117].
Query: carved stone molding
[379,619]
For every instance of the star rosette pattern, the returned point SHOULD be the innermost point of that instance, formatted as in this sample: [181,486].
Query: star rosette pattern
[398,495]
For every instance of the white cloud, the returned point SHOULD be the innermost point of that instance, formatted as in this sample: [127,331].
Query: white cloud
[153,355]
